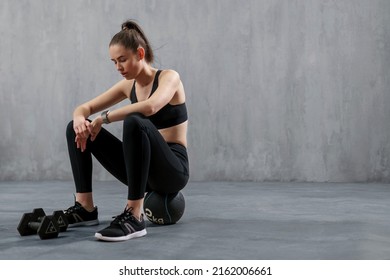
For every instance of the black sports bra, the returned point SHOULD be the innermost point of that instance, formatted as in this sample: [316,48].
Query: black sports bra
[167,116]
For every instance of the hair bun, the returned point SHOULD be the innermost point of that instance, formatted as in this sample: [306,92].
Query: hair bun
[132,40]
[129,25]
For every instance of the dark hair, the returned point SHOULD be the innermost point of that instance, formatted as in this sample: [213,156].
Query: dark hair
[131,37]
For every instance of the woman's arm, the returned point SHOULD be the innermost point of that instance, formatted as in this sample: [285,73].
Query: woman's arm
[80,125]
[109,98]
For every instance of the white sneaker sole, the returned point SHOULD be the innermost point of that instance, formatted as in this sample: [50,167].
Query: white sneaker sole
[121,238]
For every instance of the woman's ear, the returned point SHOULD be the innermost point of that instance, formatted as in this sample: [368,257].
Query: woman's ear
[140,53]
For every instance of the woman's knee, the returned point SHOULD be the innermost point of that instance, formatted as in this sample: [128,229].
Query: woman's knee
[70,130]
[134,120]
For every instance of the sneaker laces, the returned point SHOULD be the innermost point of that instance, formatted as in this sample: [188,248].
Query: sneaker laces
[127,214]
[73,208]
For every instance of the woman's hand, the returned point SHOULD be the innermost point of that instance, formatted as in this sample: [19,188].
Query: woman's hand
[81,128]
[81,143]
[95,127]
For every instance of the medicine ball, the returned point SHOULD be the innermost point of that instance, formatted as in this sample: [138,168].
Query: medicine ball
[164,209]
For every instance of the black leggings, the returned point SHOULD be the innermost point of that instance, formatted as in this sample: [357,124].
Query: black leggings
[143,161]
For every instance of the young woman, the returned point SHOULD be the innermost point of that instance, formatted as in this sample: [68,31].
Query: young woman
[152,155]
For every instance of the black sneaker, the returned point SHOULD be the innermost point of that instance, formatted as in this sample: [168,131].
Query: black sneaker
[78,216]
[123,227]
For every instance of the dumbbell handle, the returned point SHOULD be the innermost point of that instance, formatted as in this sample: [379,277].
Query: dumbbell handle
[34,225]
[40,218]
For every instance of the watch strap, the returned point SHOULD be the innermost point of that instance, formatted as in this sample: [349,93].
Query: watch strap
[104,116]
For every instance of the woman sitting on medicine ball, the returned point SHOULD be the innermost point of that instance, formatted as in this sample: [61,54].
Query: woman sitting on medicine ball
[152,155]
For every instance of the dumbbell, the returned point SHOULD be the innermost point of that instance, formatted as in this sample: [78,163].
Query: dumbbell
[45,226]
[58,216]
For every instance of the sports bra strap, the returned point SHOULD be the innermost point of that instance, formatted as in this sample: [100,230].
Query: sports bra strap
[133,96]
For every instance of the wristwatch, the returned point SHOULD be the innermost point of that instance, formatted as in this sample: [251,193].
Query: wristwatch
[104,116]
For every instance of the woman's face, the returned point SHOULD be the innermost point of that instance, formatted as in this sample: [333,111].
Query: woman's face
[126,61]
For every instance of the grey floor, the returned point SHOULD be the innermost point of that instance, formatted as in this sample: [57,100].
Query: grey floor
[222,220]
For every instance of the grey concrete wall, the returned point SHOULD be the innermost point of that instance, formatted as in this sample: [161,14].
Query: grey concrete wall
[276,90]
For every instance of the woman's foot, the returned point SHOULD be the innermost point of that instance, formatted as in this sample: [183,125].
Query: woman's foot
[124,227]
[77,215]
